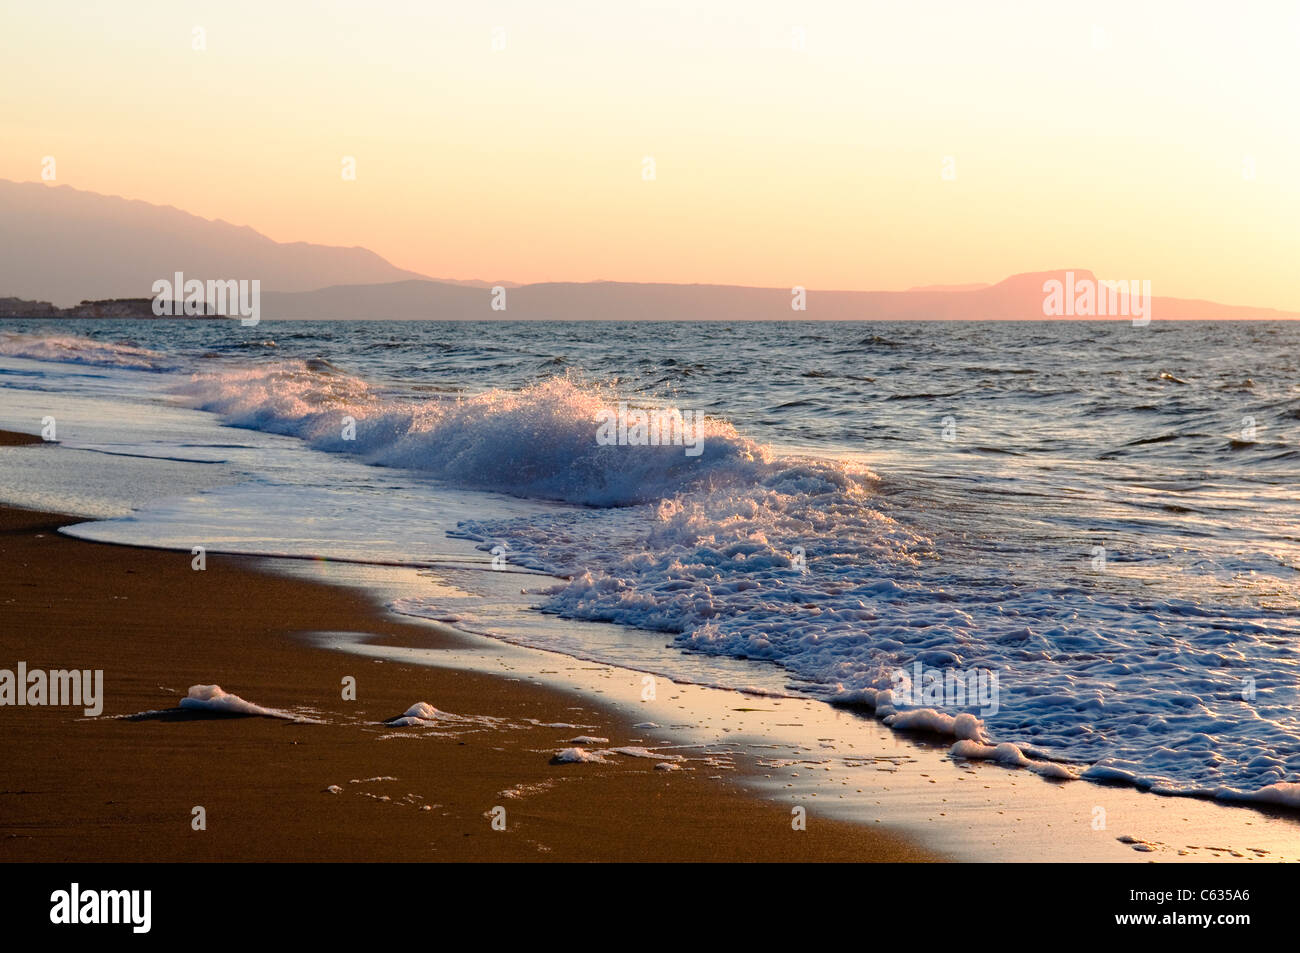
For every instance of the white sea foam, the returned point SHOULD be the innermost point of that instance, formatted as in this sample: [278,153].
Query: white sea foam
[1083,673]
[581,754]
[71,349]
[578,756]
[965,725]
[636,751]
[214,698]
[1005,753]
[419,715]
[1283,794]
[538,443]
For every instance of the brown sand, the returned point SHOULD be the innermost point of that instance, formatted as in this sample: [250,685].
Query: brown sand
[76,789]
[10,438]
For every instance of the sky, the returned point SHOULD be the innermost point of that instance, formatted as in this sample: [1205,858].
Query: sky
[834,145]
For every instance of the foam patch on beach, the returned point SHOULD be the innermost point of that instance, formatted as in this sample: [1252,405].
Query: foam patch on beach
[636,751]
[576,755]
[581,755]
[420,715]
[441,724]
[215,698]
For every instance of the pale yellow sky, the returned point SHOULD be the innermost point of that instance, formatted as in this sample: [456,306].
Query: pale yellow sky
[1155,140]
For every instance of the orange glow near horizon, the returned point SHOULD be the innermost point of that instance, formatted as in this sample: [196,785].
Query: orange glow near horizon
[793,143]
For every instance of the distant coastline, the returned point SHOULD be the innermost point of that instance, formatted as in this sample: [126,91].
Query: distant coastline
[62,245]
[105,308]
[1020,297]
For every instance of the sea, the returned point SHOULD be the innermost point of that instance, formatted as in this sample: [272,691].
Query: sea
[1065,544]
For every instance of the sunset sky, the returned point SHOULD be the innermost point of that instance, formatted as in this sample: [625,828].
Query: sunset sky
[1112,136]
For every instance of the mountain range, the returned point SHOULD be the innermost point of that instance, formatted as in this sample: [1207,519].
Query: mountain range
[65,245]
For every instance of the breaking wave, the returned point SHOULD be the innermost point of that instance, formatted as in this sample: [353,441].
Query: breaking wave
[538,443]
[71,349]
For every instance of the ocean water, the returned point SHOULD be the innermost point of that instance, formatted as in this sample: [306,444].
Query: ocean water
[1102,517]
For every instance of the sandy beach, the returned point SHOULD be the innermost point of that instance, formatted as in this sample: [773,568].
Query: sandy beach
[707,773]
[116,788]
[710,433]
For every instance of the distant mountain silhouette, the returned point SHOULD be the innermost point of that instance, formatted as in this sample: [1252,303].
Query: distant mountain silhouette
[64,245]
[966,287]
[1018,297]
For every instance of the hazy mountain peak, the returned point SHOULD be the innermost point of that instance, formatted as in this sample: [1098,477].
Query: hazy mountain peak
[64,245]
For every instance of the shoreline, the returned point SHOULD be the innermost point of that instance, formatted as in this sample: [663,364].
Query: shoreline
[746,760]
[113,788]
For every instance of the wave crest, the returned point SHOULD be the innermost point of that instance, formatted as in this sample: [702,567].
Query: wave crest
[538,443]
[72,349]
